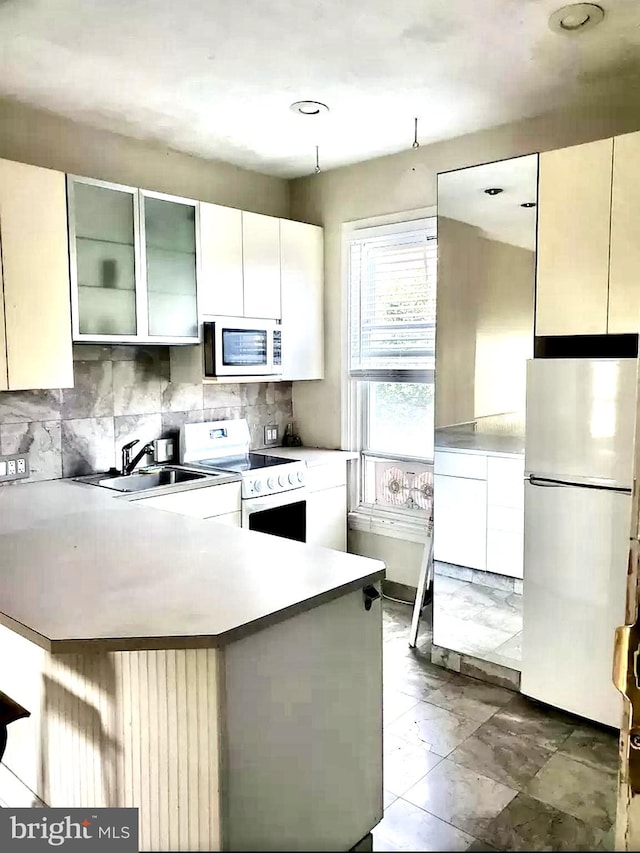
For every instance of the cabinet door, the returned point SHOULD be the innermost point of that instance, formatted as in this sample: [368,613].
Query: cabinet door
[169,228]
[35,262]
[4,377]
[103,226]
[301,253]
[624,283]
[261,250]
[574,213]
[205,502]
[460,521]
[221,285]
[327,518]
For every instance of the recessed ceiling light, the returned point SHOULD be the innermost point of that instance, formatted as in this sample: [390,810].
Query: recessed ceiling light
[493,190]
[528,204]
[576,18]
[309,108]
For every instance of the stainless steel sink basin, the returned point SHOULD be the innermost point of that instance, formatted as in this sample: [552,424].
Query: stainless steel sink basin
[141,480]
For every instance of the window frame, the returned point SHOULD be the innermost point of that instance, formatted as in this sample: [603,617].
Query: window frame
[397,522]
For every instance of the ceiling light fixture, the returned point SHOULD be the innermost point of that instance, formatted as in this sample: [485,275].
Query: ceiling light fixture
[576,18]
[528,204]
[309,108]
[493,190]
[317,159]
[416,144]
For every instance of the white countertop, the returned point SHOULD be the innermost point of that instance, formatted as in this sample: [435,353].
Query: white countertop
[82,568]
[310,455]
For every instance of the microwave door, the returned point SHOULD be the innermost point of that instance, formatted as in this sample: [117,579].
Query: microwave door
[242,351]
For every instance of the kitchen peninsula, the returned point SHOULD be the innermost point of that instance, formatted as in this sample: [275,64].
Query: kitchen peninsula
[225,682]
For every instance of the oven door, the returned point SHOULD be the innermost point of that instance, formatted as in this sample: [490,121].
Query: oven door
[283,514]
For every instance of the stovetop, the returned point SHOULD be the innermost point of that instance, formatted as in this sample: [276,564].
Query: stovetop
[240,464]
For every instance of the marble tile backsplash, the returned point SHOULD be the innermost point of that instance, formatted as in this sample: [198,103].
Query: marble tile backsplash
[122,393]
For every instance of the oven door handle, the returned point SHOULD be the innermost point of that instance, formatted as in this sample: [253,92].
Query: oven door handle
[290,496]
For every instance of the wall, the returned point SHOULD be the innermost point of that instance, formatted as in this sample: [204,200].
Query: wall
[404,182]
[44,139]
[122,393]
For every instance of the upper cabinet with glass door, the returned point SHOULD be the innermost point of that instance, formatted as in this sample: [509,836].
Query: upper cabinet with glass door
[133,264]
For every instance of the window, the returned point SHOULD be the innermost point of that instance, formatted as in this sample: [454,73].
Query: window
[392,300]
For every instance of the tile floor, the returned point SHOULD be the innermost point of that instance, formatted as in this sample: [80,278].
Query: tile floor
[478,620]
[472,766]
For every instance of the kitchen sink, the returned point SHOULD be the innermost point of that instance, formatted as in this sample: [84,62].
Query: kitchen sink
[141,480]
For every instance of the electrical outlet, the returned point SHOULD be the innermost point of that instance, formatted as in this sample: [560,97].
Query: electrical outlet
[271,434]
[14,467]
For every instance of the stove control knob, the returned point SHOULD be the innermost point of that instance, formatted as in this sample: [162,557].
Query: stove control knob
[300,476]
[270,483]
[292,479]
[257,485]
[281,481]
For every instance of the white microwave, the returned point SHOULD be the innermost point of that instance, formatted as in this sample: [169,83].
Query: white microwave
[237,346]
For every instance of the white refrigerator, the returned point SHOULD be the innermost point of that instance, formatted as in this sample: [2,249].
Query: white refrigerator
[580,422]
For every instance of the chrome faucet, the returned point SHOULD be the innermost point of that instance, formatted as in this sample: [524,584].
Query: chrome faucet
[128,464]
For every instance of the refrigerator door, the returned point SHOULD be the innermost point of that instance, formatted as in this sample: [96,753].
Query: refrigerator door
[576,543]
[580,420]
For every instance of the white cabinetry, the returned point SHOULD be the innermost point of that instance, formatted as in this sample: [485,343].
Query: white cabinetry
[221,288]
[221,502]
[460,510]
[624,287]
[327,505]
[301,257]
[35,313]
[479,511]
[261,265]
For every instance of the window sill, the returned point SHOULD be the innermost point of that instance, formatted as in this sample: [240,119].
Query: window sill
[382,523]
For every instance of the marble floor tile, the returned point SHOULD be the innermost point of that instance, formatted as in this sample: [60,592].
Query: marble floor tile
[465,635]
[512,759]
[578,789]
[512,648]
[407,827]
[444,585]
[433,728]
[405,763]
[528,824]
[523,717]
[500,616]
[394,704]
[481,845]
[596,747]
[462,797]
[388,798]
[470,698]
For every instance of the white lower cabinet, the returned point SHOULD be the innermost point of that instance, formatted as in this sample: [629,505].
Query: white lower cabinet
[327,505]
[479,511]
[327,518]
[460,521]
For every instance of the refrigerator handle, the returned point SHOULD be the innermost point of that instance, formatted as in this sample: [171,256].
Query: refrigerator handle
[549,484]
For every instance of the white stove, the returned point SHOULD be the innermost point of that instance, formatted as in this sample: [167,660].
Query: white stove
[223,446]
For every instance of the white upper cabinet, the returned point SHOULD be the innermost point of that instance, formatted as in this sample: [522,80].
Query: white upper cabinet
[574,219]
[261,265]
[624,279]
[37,350]
[221,287]
[301,248]
[134,264]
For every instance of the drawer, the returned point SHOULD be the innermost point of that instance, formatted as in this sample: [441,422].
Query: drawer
[505,518]
[505,552]
[326,476]
[505,482]
[473,466]
[199,503]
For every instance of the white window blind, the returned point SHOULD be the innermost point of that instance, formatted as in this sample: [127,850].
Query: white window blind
[393,304]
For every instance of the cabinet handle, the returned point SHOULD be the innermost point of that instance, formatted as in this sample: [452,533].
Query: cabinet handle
[369,593]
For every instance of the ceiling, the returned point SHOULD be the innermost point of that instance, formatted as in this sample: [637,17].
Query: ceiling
[462,196]
[215,78]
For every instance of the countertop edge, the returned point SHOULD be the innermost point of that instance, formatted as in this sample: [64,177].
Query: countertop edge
[225,638]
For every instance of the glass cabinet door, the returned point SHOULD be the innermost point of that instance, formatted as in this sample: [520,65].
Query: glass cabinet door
[170,252]
[104,238]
